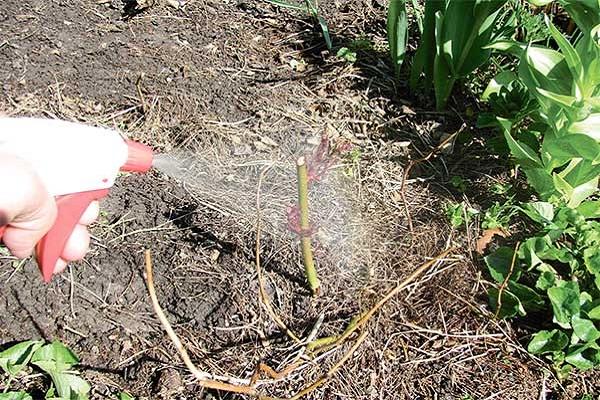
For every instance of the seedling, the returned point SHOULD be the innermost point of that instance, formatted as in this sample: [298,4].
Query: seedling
[459,214]
[311,7]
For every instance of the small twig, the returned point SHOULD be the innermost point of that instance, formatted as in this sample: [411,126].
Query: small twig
[263,296]
[305,240]
[205,379]
[505,282]
[411,165]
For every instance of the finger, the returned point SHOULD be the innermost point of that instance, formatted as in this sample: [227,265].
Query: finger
[60,266]
[90,214]
[21,237]
[77,245]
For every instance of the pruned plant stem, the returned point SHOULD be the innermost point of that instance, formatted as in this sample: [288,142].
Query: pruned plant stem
[305,240]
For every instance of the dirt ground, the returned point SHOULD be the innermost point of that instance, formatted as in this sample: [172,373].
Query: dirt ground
[246,76]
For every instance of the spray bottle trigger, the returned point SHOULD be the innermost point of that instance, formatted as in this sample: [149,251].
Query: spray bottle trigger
[70,209]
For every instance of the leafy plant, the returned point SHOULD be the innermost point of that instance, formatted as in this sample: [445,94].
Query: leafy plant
[548,111]
[459,214]
[310,7]
[559,151]
[454,34]
[54,359]
[556,271]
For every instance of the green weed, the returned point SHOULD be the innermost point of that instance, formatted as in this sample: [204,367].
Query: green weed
[310,7]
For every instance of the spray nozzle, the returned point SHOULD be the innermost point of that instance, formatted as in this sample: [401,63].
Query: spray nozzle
[139,157]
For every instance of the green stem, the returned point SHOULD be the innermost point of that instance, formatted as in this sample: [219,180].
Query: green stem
[307,255]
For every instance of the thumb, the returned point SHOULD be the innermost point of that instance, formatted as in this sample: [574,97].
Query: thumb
[25,206]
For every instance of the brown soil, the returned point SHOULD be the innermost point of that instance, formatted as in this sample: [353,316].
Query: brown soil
[230,73]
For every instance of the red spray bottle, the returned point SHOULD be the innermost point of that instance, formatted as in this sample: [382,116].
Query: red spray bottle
[95,157]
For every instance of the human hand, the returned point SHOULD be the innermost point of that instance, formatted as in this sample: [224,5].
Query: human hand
[29,212]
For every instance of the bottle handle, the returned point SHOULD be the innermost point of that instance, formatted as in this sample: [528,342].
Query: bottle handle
[70,209]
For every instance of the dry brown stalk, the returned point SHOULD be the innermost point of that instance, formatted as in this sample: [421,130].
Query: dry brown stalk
[263,296]
[367,316]
[325,378]
[411,165]
[209,381]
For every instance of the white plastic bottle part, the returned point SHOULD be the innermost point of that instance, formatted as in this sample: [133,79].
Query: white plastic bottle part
[69,157]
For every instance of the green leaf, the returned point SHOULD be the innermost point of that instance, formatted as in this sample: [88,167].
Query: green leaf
[397,30]
[443,81]
[125,396]
[583,357]
[574,145]
[571,56]
[325,30]
[502,79]
[529,298]
[70,386]
[591,257]
[594,313]
[511,305]
[584,329]
[546,280]
[15,396]
[590,126]
[499,263]
[565,302]
[590,209]
[562,100]
[523,154]
[539,211]
[547,342]
[15,358]
[54,358]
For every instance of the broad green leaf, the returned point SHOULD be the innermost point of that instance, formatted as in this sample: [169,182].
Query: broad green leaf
[572,146]
[591,256]
[565,302]
[70,386]
[54,358]
[423,61]
[502,79]
[499,264]
[397,30]
[547,342]
[590,209]
[582,192]
[15,358]
[561,99]
[539,211]
[541,181]
[529,250]
[571,57]
[15,396]
[508,46]
[510,304]
[583,357]
[529,298]
[584,329]
[523,154]
[589,126]
[595,313]
[546,280]
[581,171]
[443,80]
[125,396]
